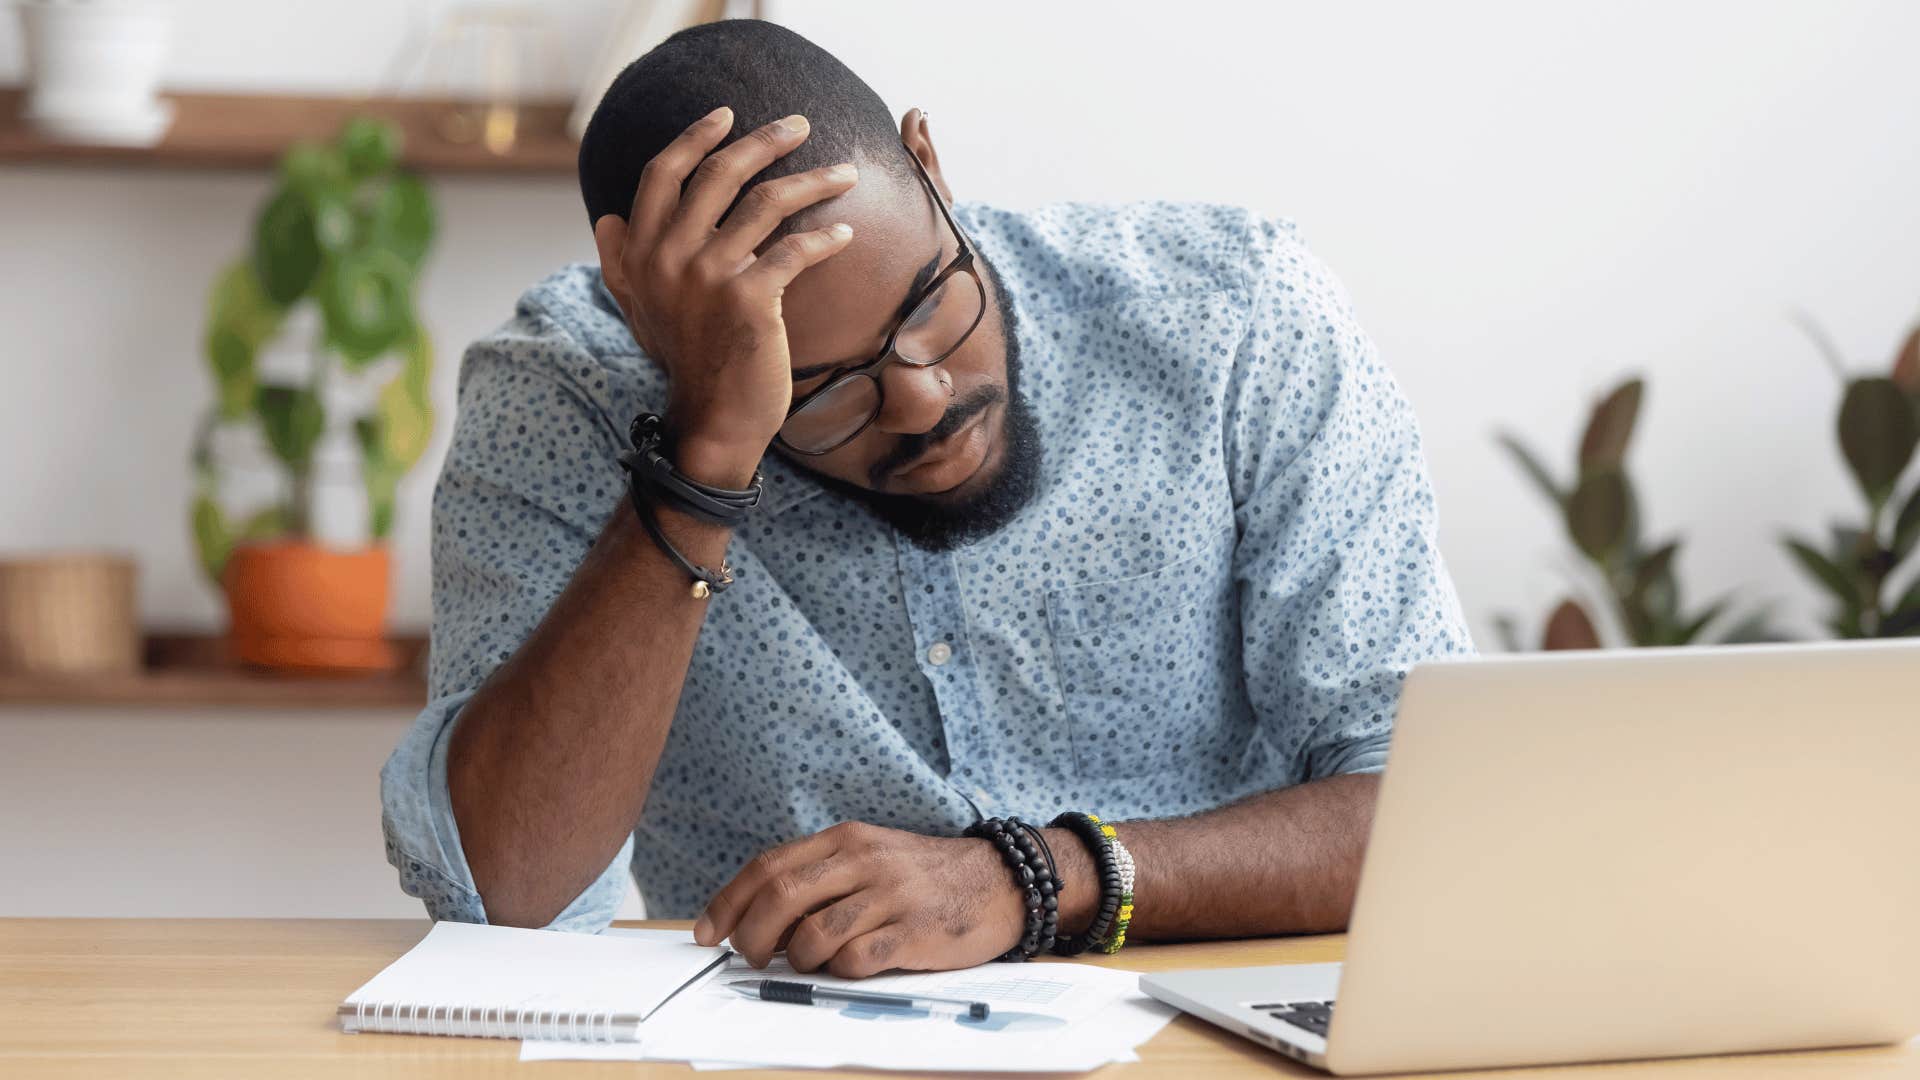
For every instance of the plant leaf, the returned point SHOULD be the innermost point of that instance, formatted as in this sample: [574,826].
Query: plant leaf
[1535,471]
[1597,513]
[1908,606]
[1906,528]
[240,319]
[365,297]
[1848,547]
[1657,564]
[1878,432]
[1836,580]
[264,524]
[1906,365]
[402,220]
[1750,629]
[333,222]
[369,145]
[1821,341]
[312,167]
[380,475]
[293,421]
[404,409]
[1570,628]
[286,247]
[1685,634]
[1903,619]
[1630,546]
[1604,446]
[237,302]
[231,359]
[211,537]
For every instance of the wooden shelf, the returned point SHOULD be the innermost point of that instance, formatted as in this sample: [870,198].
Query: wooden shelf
[188,670]
[250,131]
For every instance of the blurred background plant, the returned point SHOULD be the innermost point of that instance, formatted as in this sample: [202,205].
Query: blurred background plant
[345,230]
[1879,428]
[1636,581]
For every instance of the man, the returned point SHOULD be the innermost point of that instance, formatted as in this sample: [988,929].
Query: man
[1128,520]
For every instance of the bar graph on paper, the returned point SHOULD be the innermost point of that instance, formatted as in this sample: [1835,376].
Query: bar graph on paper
[1025,990]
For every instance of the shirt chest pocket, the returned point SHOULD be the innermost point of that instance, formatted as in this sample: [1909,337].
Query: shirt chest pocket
[1149,665]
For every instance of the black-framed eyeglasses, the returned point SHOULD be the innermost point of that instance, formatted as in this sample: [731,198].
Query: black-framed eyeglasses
[939,321]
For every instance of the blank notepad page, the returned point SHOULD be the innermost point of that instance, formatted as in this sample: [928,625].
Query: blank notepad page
[505,982]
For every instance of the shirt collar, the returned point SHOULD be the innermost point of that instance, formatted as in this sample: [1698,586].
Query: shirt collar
[784,485]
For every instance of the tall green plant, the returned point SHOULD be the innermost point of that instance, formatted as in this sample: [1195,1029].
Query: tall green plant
[1602,519]
[346,230]
[1878,429]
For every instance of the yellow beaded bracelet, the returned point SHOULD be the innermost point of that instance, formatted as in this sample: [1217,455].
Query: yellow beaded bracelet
[1123,861]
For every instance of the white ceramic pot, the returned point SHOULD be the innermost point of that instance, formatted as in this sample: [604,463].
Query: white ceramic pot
[93,67]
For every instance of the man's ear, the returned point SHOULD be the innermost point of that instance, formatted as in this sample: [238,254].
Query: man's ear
[913,132]
[610,240]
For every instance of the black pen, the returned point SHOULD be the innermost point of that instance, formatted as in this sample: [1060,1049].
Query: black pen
[799,993]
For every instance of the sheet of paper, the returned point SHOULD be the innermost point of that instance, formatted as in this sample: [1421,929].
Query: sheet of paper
[1049,1017]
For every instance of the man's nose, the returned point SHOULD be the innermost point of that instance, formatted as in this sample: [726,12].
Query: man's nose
[914,399]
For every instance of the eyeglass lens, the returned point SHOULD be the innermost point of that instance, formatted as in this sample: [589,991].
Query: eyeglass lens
[935,328]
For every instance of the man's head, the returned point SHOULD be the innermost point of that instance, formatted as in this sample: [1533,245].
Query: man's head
[838,314]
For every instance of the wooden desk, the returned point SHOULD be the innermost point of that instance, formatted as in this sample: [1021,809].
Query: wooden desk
[255,998]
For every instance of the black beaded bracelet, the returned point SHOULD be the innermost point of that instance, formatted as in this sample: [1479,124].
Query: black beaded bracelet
[1106,872]
[1050,899]
[1026,854]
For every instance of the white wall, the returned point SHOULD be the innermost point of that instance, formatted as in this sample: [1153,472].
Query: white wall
[1526,200]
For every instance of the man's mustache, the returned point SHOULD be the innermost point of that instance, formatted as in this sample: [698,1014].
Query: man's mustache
[912,447]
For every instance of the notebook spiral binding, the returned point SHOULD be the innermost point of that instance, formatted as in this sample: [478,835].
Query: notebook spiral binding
[576,1025]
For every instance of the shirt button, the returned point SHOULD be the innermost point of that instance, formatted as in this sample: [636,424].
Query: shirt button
[939,653]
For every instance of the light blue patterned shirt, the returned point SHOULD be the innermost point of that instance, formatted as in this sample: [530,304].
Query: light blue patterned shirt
[1228,567]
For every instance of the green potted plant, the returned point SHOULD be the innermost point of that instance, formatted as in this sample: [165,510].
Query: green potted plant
[1602,517]
[344,233]
[1878,428]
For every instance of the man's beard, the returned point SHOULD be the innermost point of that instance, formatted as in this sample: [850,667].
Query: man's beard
[939,522]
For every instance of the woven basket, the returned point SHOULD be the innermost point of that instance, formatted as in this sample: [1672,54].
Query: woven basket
[70,614]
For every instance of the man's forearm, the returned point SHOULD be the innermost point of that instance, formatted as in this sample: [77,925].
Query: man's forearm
[550,761]
[1286,861]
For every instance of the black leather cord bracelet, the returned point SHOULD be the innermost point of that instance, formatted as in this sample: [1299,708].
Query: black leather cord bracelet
[651,470]
[653,480]
[705,581]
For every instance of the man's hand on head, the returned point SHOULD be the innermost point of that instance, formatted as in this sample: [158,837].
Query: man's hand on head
[859,899]
[698,298]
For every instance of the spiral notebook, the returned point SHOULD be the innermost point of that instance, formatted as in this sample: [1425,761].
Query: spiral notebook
[506,983]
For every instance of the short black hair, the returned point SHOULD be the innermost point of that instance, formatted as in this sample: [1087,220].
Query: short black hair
[762,71]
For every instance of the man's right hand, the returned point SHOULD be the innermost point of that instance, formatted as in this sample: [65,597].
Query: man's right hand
[698,299]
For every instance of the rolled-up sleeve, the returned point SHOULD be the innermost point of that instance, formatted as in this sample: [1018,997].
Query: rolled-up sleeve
[528,481]
[1341,582]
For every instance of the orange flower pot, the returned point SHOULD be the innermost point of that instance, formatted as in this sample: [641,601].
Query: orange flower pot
[296,606]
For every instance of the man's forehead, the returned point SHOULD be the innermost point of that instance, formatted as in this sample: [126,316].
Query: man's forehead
[845,305]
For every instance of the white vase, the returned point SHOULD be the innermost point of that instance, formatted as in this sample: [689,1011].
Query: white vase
[93,67]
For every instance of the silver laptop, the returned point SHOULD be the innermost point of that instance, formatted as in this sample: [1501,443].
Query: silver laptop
[1610,855]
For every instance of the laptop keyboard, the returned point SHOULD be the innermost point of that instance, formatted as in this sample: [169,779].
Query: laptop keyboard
[1312,1016]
